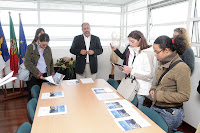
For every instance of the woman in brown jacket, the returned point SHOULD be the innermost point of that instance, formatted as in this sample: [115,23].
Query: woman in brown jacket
[39,62]
[174,88]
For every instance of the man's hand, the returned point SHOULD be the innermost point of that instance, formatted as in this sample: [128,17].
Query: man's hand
[90,52]
[41,77]
[83,52]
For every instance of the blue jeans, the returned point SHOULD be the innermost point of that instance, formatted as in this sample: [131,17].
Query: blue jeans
[173,120]
[140,100]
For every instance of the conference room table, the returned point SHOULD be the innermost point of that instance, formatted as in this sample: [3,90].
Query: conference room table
[85,113]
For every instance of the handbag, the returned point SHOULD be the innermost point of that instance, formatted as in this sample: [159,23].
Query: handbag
[23,73]
[128,88]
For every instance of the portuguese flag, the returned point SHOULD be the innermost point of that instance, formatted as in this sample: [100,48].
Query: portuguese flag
[14,55]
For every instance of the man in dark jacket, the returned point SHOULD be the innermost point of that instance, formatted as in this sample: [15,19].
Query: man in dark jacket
[86,47]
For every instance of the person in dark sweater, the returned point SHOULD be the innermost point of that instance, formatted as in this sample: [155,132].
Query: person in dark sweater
[188,56]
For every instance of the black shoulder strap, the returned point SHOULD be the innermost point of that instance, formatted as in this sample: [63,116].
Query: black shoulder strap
[174,64]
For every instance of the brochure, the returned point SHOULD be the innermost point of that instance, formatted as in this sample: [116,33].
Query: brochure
[101,90]
[57,79]
[7,79]
[106,96]
[118,104]
[52,95]
[52,110]
[123,112]
[87,80]
[130,123]
[72,82]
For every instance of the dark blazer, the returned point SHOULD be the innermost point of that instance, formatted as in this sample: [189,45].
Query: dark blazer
[79,44]
[122,56]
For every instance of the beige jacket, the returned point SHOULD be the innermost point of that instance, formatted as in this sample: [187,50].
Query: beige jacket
[174,88]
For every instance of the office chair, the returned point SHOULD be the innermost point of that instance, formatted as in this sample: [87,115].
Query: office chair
[35,91]
[135,101]
[113,83]
[156,117]
[31,107]
[24,128]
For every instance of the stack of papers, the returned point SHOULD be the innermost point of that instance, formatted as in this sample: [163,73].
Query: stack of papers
[57,79]
[126,117]
[52,110]
[52,95]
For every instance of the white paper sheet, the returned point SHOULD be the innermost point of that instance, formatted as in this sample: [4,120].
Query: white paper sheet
[87,80]
[52,110]
[51,95]
[101,90]
[7,78]
[106,96]
[130,123]
[118,104]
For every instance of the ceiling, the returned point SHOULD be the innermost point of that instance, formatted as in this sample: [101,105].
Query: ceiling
[112,2]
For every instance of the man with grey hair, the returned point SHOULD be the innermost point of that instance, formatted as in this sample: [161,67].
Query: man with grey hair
[86,47]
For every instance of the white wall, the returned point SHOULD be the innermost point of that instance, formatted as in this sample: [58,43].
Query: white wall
[192,107]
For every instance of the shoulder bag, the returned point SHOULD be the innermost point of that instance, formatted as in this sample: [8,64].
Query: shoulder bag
[128,88]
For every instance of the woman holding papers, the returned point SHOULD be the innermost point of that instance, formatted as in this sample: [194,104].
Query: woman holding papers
[173,86]
[139,63]
[39,61]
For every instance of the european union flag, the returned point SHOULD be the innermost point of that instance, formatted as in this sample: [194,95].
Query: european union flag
[3,46]
[23,44]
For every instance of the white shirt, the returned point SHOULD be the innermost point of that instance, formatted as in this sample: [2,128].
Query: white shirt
[87,44]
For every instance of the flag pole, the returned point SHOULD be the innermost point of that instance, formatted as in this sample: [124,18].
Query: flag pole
[19,50]
[10,53]
[4,74]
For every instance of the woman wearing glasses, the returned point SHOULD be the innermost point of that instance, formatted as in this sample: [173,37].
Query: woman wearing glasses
[139,62]
[188,55]
[172,89]
[39,62]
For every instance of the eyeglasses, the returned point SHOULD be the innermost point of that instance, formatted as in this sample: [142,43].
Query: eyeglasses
[157,52]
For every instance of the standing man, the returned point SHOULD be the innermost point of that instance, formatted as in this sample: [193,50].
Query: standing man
[86,47]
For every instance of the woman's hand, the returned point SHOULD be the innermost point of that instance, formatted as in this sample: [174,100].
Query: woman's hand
[112,47]
[127,69]
[120,68]
[152,94]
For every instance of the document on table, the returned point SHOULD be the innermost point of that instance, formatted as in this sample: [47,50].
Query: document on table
[72,82]
[130,123]
[101,90]
[51,95]
[118,104]
[106,96]
[87,80]
[52,110]
[123,112]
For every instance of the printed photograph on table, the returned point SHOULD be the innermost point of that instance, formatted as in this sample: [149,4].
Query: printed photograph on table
[101,90]
[119,113]
[129,124]
[57,109]
[51,95]
[118,104]
[54,94]
[114,105]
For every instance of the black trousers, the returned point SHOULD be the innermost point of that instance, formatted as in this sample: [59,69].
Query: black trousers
[34,81]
